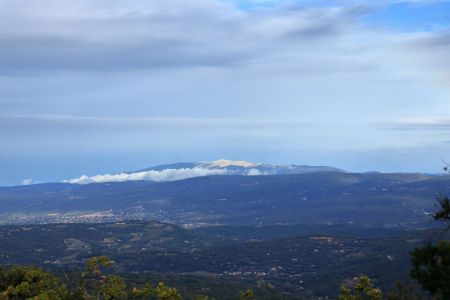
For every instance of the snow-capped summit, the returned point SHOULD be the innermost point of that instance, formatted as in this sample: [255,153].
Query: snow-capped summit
[186,170]
[223,163]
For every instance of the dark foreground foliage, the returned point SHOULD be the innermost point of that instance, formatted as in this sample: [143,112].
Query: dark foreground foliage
[24,282]
[431,263]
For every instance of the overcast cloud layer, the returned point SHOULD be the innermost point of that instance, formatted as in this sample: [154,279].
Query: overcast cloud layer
[94,87]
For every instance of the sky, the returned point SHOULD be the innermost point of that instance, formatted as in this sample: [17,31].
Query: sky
[98,86]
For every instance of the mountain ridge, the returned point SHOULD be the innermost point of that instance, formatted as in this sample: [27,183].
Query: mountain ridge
[309,198]
[183,170]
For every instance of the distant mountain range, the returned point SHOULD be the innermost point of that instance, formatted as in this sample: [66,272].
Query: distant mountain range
[307,198]
[240,167]
[185,170]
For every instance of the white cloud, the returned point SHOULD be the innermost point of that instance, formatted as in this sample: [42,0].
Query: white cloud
[28,181]
[158,176]
[254,172]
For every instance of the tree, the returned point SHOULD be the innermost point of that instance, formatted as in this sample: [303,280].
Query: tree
[431,263]
[431,267]
[144,292]
[362,290]
[164,292]
[247,295]
[104,286]
[109,287]
[402,292]
[443,214]
[113,287]
[21,282]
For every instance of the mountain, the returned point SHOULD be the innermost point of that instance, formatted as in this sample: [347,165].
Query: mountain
[185,170]
[240,167]
[308,198]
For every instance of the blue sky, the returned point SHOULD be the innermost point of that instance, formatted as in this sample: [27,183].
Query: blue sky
[412,16]
[92,87]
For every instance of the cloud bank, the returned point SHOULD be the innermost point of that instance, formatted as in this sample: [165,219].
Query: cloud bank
[111,36]
[158,176]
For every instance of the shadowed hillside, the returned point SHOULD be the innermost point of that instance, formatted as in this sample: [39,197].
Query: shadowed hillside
[328,197]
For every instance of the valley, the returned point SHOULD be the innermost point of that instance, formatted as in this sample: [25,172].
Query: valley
[292,260]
